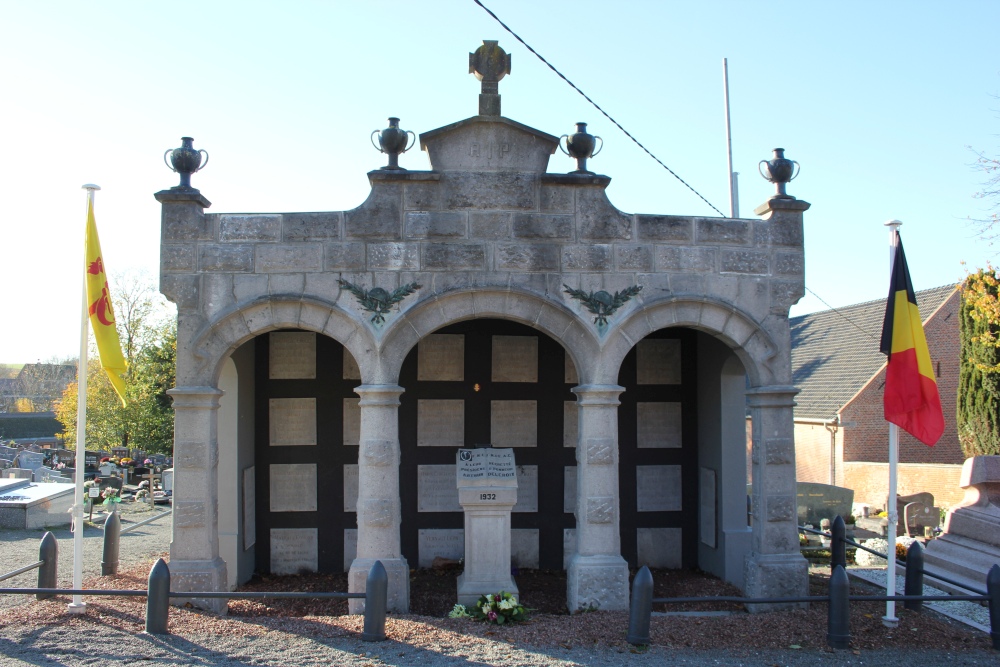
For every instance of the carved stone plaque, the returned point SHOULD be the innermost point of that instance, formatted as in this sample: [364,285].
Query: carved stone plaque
[292,356]
[570,376]
[292,421]
[658,425]
[524,547]
[571,424]
[436,490]
[293,487]
[706,500]
[486,466]
[659,547]
[350,547]
[440,422]
[658,361]
[351,370]
[514,423]
[294,550]
[446,543]
[249,507]
[515,359]
[658,488]
[527,489]
[569,489]
[350,487]
[352,422]
[441,357]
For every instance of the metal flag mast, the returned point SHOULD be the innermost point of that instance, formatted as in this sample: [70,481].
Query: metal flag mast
[78,606]
[734,201]
[890,620]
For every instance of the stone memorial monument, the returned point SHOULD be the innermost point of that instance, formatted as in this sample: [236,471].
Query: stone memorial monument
[487,491]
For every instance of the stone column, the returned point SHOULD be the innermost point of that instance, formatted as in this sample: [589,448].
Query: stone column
[195,564]
[775,566]
[597,575]
[378,497]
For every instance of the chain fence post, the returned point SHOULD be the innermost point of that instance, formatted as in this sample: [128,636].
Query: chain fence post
[838,543]
[641,607]
[112,536]
[158,599]
[914,576]
[993,590]
[838,633]
[48,553]
[376,601]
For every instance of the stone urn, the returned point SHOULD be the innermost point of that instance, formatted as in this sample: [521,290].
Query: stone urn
[392,141]
[580,145]
[779,170]
[185,161]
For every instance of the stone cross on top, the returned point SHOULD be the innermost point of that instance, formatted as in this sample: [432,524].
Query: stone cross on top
[489,63]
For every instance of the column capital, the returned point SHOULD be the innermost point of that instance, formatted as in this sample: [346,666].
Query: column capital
[379,394]
[195,397]
[598,394]
[773,396]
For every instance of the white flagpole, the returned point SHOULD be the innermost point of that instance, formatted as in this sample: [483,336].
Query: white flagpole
[78,606]
[890,620]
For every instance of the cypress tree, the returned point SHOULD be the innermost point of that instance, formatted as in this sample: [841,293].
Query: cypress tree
[979,371]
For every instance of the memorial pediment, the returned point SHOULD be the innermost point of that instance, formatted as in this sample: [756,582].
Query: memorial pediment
[488,143]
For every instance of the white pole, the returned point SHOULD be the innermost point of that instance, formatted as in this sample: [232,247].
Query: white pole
[890,620]
[78,606]
[729,139]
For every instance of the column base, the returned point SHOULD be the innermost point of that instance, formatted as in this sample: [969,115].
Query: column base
[597,583]
[774,576]
[399,584]
[199,575]
[470,590]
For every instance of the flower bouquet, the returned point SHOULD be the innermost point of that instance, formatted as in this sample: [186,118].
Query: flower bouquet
[499,608]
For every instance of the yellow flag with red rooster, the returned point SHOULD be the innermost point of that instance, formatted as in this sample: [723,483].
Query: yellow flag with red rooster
[102,314]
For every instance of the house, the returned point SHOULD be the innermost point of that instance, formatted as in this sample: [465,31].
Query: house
[36,387]
[841,436]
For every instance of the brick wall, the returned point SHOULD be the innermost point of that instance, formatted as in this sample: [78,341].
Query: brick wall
[812,453]
[870,482]
[865,430]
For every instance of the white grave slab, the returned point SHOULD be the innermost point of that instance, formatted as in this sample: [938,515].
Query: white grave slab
[249,507]
[350,487]
[658,488]
[436,490]
[293,487]
[352,422]
[294,550]
[351,370]
[658,361]
[439,542]
[292,421]
[350,547]
[524,547]
[569,489]
[514,423]
[707,502]
[527,489]
[440,422]
[293,356]
[659,547]
[658,425]
[441,358]
[515,359]
[571,424]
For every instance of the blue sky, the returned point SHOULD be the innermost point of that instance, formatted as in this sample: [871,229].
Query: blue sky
[879,102]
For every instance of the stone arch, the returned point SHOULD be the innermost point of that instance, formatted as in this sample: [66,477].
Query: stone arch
[215,341]
[429,315]
[752,344]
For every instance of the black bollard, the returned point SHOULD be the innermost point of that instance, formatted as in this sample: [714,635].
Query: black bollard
[641,608]
[838,543]
[838,634]
[112,535]
[376,601]
[158,599]
[914,576]
[993,590]
[48,553]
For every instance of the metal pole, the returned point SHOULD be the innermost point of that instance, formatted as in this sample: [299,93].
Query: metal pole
[729,139]
[838,633]
[158,599]
[112,534]
[993,590]
[376,601]
[890,620]
[838,543]
[914,576]
[48,553]
[641,608]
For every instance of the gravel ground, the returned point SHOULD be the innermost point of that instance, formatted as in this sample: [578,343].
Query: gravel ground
[41,633]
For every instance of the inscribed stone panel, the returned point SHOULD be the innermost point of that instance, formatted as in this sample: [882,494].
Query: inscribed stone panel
[249,507]
[658,488]
[294,550]
[706,509]
[570,376]
[351,370]
[570,424]
[527,489]
[433,543]
[441,357]
[350,547]
[436,489]
[658,425]
[514,423]
[659,547]
[350,487]
[515,359]
[293,487]
[440,422]
[658,361]
[352,422]
[569,546]
[569,489]
[293,356]
[524,547]
[292,421]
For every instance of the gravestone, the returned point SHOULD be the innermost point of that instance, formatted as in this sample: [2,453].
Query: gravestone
[918,516]
[39,474]
[487,490]
[31,460]
[822,501]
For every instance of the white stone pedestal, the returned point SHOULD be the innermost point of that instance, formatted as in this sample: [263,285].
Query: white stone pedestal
[487,491]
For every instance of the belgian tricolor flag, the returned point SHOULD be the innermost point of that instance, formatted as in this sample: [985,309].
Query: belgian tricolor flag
[911,398]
